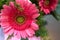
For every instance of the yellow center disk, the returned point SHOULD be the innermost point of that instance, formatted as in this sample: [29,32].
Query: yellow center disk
[47,2]
[20,19]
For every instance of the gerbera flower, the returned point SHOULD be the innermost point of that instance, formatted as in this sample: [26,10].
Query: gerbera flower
[47,5]
[19,20]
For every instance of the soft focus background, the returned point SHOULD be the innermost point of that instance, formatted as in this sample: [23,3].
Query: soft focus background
[53,28]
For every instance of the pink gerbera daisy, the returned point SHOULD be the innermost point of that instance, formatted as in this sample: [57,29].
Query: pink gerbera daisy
[47,5]
[19,20]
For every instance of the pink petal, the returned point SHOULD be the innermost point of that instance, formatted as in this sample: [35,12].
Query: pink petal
[6,35]
[46,11]
[12,4]
[34,26]
[15,38]
[34,38]
[23,34]
[36,15]
[30,32]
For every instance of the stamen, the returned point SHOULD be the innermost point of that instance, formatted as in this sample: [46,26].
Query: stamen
[20,19]
[47,2]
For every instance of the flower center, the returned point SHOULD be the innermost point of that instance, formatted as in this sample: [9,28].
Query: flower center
[20,19]
[47,2]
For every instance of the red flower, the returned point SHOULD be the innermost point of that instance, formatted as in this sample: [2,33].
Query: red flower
[47,5]
[21,20]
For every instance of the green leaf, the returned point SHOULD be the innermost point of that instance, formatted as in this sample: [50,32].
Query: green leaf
[37,33]
[35,1]
[46,38]
[7,2]
[43,31]
[41,22]
[56,13]
[2,2]
[24,39]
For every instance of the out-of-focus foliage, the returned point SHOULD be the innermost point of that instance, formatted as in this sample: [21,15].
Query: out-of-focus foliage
[35,1]
[56,13]
[24,39]
[2,2]
[41,22]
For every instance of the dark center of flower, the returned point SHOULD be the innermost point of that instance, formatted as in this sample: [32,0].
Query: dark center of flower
[47,2]
[20,19]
